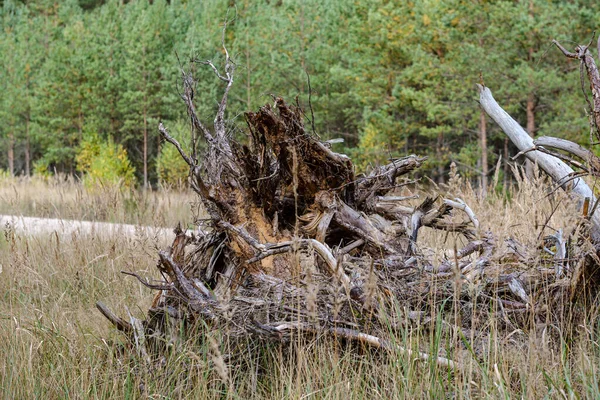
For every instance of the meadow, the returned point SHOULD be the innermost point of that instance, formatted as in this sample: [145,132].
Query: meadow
[66,197]
[55,344]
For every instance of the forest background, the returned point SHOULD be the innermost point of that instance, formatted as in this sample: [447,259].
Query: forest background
[83,84]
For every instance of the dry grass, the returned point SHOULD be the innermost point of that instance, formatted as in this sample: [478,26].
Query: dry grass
[54,343]
[67,198]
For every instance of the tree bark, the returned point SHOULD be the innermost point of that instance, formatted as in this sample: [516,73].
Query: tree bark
[27,148]
[530,130]
[145,149]
[439,151]
[145,116]
[11,153]
[531,114]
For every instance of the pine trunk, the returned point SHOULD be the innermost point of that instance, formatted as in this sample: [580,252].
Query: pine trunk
[145,148]
[11,153]
[27,149]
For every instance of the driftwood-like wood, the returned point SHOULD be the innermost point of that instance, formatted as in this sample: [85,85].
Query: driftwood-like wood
[558,170]
[591,161]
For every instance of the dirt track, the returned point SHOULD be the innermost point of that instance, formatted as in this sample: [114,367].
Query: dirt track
[63,227]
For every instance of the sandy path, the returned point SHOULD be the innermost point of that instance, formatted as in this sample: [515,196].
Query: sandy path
[65,227]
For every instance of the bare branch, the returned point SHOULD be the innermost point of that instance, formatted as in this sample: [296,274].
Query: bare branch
[188,98]
[216,71]
[565,51]
[384,199]
[562,157]
[586,155]
[380,343]
[268,253]
[119,323]
[461,205]
[163,131]
[554,167]
[357,336]
[350,247]
[241,232]
[149,285]
[273,248]
[195,292]
[220,117]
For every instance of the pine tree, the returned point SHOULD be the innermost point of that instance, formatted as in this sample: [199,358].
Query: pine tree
[148,60]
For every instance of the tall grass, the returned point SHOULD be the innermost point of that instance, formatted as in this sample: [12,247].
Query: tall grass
[67,198]
[55,345]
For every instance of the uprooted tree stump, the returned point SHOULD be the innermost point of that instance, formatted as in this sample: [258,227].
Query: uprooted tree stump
[297,244]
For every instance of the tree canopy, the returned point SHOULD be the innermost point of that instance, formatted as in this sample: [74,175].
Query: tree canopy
[389,77]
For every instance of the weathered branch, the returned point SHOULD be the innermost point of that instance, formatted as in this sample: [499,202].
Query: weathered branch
[586,155]
[380,343]
[583,54]
[188,99]
[119,323]
[195,292]
[461,205]
[382,179]
[555,168]
[416,221]
[166,286]
[163,131]
[357,336]
[220,117]
[334,268]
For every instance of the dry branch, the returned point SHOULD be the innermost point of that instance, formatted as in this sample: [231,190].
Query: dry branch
[559,171]
[583,54]
[592,161]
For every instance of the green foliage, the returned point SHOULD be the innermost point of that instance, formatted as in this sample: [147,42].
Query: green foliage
[388,76]
[40,168]
[104,163]
[171,169]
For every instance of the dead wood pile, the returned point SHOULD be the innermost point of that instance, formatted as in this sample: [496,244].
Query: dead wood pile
[297,244]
